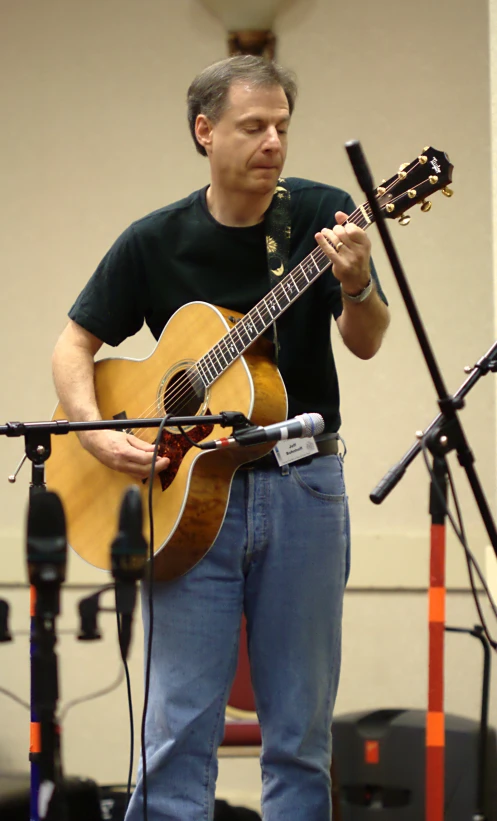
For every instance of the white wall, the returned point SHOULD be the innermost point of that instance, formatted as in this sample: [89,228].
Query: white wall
[94,135]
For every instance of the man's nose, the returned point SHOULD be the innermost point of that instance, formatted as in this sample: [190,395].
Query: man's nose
[272,138]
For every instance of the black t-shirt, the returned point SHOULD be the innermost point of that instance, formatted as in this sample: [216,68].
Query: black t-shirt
[181,254]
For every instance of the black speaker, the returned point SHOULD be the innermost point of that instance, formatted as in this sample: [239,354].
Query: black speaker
[380,766]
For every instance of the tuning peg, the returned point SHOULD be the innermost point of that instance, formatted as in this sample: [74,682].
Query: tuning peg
[404,220]
[404,165]
[426,206]
[448,192]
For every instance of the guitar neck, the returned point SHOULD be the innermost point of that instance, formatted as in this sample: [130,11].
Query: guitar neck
[270,308]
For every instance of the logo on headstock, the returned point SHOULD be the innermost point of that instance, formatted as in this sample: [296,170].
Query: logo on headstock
[435,165]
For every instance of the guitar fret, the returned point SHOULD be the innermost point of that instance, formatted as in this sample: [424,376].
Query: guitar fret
[281,297]
[210,365]
[256,308]
[232,345]
[240,345]
[364,213]
[263,314]
[217,362]
[200,366]
[304,272]
[294,288]
[218,346]
[228,358]
[253,323]
[249,327]
[316,264]
[272,304]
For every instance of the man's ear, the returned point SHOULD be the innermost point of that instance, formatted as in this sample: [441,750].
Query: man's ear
[203,131]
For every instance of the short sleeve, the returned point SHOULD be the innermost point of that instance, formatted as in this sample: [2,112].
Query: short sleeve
[111,306]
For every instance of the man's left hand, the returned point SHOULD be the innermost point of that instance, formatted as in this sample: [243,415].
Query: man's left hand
[350,255]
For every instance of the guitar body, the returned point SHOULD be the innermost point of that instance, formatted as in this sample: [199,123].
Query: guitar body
[191,496]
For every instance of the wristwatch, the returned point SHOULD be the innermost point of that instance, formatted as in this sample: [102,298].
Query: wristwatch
[362,295]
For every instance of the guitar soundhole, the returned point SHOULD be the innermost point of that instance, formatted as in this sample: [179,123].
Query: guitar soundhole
[184,395]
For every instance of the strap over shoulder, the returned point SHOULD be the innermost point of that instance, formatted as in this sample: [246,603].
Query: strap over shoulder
[278,232]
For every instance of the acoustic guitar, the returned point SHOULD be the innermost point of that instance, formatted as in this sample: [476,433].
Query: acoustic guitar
[207,360]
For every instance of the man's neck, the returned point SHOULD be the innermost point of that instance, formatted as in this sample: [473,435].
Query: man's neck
[237,210]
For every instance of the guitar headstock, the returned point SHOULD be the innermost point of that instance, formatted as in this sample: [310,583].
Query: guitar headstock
[414,182]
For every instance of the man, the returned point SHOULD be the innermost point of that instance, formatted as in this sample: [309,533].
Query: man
[282,553]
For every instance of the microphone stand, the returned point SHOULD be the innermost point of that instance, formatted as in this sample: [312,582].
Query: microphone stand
[486,364]
[44,756]
[44,750]
[445,436]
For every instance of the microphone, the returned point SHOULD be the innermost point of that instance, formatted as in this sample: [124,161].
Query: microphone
[306,424]
[128,558]
[46,548]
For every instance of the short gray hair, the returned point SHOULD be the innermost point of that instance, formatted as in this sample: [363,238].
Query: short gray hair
[209,91]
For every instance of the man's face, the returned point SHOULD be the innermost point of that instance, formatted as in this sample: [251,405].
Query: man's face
[247,146]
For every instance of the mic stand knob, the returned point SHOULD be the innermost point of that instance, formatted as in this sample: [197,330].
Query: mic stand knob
[13,476]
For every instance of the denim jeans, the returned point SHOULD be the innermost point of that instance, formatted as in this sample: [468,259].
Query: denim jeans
[282,556]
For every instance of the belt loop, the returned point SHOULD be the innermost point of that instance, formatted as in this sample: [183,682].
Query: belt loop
[344,445]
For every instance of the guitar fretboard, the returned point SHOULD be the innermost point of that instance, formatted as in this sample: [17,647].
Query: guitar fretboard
[267,311]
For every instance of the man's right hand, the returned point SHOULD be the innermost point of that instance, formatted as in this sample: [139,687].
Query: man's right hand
[123,452]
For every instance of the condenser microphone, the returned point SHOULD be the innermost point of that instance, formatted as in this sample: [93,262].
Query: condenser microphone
[306,424]
[46,542]
[128,558]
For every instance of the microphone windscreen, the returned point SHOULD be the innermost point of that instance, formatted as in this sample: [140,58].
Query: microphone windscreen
[131,513]
[46,526]
[46,541]
[313,424]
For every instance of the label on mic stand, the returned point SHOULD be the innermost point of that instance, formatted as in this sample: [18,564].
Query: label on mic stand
[291,450]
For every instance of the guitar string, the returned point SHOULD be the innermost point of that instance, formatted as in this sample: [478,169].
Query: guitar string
[185,388]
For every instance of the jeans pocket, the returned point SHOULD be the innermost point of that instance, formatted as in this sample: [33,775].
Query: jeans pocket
[322,478]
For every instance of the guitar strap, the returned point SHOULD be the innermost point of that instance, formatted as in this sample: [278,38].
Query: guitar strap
[278,232]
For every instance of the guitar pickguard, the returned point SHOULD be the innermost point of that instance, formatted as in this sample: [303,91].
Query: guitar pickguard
[174,446]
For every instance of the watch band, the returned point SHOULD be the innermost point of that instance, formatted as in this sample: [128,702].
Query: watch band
[362,295]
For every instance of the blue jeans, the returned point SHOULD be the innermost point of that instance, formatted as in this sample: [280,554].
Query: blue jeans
[282,556]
